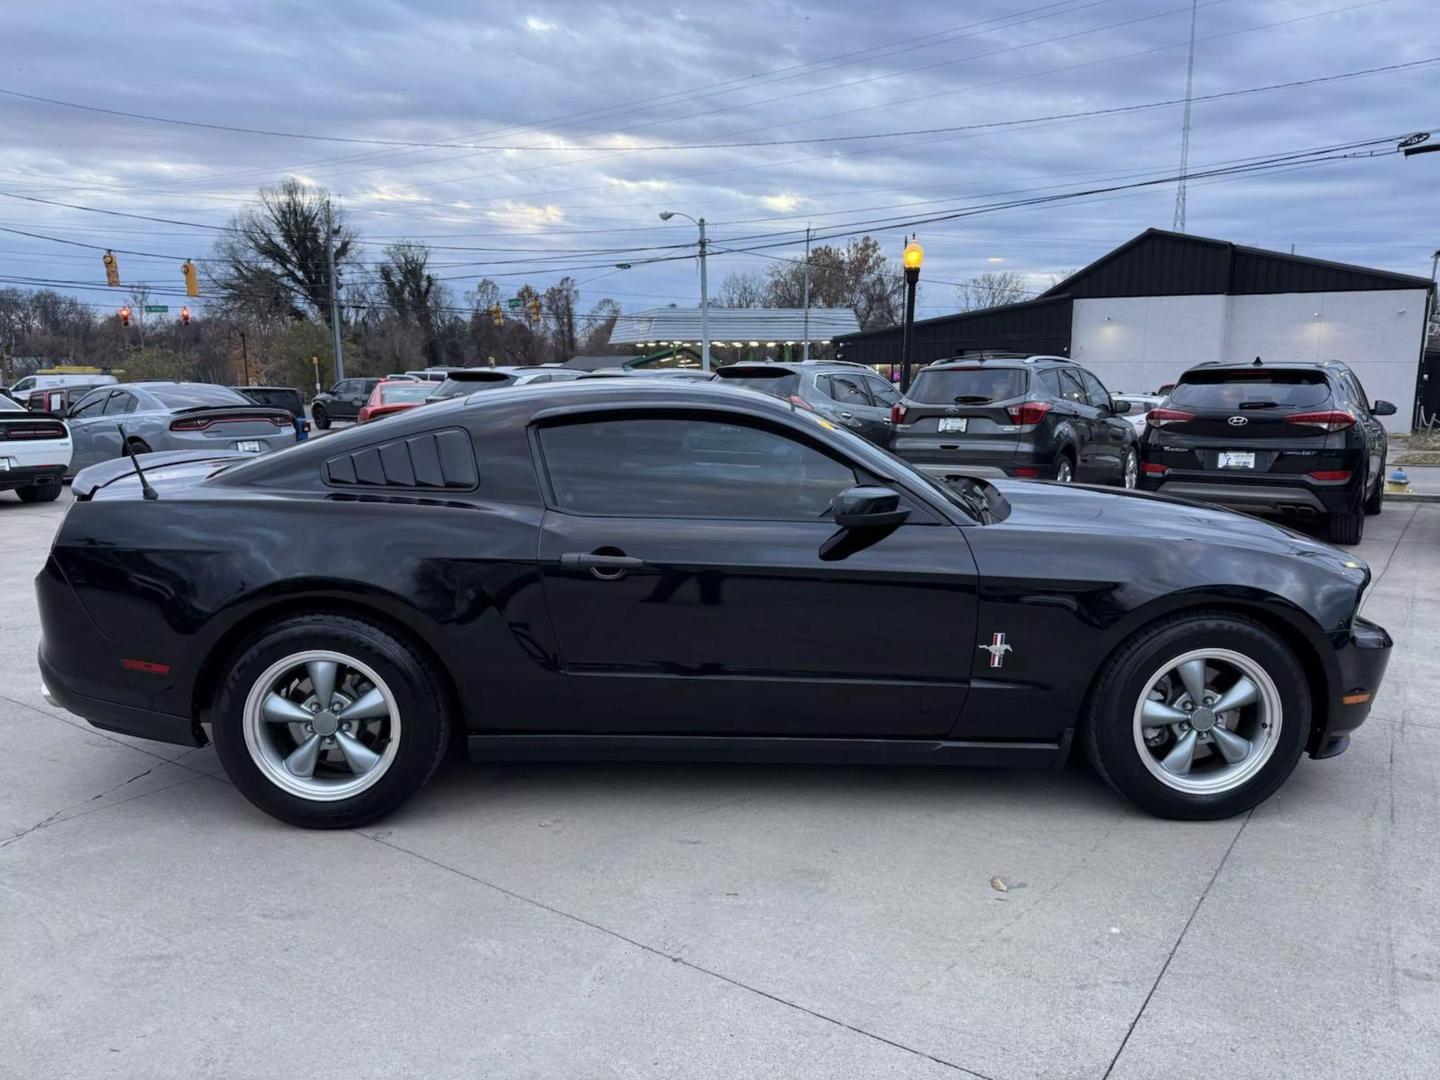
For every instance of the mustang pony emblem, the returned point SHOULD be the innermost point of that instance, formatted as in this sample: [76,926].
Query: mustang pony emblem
[997,650]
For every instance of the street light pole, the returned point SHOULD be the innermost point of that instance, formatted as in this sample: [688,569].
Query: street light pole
[334,302]
[666,215]
[805,345]
[913,257]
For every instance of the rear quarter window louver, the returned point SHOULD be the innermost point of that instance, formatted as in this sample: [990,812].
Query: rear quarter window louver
[434,461]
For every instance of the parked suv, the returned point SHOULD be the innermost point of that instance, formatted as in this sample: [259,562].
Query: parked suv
[852,396]
[343,401]
[1042,417]
[1291,438]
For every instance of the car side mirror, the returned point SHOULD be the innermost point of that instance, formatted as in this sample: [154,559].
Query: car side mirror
[1119,408]
[868,508]
[1382,408]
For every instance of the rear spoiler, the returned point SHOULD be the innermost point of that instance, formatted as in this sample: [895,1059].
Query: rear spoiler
[91,479]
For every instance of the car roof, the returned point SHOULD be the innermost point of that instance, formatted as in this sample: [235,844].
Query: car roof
[1277,365]
[796,366]
[1000,360]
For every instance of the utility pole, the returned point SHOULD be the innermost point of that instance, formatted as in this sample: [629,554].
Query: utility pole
[704,305]
[1179,223]
[805,345]
[245,357]
[334,302]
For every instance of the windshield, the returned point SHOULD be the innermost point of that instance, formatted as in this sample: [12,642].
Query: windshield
[6,405]
[189,395]
[946,386]
[469,384]
[779,383]
[405,393]
[1228,390]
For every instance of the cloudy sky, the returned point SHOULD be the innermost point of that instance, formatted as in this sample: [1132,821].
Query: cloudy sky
[566,127]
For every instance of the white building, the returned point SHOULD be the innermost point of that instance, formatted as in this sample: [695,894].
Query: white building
[1166,301]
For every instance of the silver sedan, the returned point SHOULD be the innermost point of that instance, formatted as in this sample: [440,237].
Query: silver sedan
[111,421]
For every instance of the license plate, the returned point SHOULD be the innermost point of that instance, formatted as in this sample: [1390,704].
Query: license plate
[951,423]
[1236,459]
[250,446]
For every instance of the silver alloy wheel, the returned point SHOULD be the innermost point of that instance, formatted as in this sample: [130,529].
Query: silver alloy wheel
[1208,721]
[321,725]
[1132,468]
[1064,473]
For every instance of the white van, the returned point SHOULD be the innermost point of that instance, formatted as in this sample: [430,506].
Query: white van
[49,382]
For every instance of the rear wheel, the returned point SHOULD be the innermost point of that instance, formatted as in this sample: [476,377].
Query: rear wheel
[1130,468]
[321,417]
[1199,716]
[38,493]
[136,446]
[1348,527]
[1064,469]
[329,722]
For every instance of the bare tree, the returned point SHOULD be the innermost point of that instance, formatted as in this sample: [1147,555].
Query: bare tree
[559,304]
[272,257]
[413,295]
[742,290]
[600,322]
[856,276]
[993,288]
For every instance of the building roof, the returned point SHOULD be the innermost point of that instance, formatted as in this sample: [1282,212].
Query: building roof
[730,326]
[1159,262]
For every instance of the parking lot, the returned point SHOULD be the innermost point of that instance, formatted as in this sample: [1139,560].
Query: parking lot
[697,921]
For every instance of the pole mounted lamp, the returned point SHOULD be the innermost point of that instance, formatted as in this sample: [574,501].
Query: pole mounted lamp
[914,255]
[666,215]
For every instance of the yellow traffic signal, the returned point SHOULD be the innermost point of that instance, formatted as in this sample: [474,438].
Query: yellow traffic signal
[192,282]
[112,269]
[496,315]
[535,312]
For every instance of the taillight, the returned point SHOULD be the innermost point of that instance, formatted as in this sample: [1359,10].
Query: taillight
[800,403]
[1153,468]
[1030,413]
[200,423]
[897,413]
[1330,474]
[1027,472]
[34,431]
[1326,420]
[1161,417]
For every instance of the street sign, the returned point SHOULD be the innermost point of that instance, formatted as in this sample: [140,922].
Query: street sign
[156,309]
[514,303]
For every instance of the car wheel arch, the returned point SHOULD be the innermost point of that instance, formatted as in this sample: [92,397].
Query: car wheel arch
[237,636]
[1292,625]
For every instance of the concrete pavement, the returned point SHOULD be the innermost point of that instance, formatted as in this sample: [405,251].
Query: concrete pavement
[698,921]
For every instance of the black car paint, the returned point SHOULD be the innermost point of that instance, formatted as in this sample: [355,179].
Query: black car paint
[778,640]
[345,399]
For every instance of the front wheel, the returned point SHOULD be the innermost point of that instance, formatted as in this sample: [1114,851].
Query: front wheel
[1064,470]
[1200,716]
[321,418]
[1130,468]
[329,722]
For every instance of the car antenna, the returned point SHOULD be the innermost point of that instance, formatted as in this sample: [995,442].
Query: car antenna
[1256,363]
[150,493]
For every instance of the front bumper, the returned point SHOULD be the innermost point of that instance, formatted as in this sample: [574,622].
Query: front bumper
[1362,655]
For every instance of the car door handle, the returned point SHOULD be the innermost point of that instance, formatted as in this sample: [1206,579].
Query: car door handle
[847,416]
[604,567]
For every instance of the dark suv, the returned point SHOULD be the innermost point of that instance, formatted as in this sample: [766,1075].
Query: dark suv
[343,401]
[851,396]
[1042,417]
[1291,438]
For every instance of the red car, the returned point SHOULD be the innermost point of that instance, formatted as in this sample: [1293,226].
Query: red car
[393,396]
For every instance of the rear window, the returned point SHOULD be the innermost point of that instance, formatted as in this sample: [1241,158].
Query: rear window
[401,393]
[1255,389]
[779,382]
[185,397]
[968,385]
[469,384]
[279,398]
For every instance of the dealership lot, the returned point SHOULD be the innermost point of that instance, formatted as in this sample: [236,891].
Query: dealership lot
[721,920]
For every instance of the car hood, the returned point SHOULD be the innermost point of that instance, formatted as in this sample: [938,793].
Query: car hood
[1077,507]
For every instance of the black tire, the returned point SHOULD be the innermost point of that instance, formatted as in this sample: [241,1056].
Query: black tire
[1108,727]
[421,702]
[1375,500]
[1130,454]
[38,493]
[320,417]
[1065,459]
[1349,527]
[136,446]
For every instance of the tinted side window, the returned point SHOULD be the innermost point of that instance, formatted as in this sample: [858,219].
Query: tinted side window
[1095,390]
[848,390]
[1049,383]
[91,404]
[116,403]
[883,392]
[634,467]
[1070,388]
[1356,392]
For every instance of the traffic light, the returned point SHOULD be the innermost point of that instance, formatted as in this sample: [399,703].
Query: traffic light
[534,306]
[124,313]
[496,315]
[112,269]
[185,316]
[192,282]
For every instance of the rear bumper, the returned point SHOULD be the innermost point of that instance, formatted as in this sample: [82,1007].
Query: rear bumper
[1362,656]
[974,457]
[1268,495]
[114,716]
[25,475]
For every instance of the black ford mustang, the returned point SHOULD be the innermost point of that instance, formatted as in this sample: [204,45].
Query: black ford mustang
[615,569]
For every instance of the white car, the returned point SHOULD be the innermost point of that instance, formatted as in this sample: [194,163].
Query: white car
[1140,404]
[34,452]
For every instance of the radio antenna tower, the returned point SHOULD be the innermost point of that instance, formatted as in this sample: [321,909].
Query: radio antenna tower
[1179,223]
